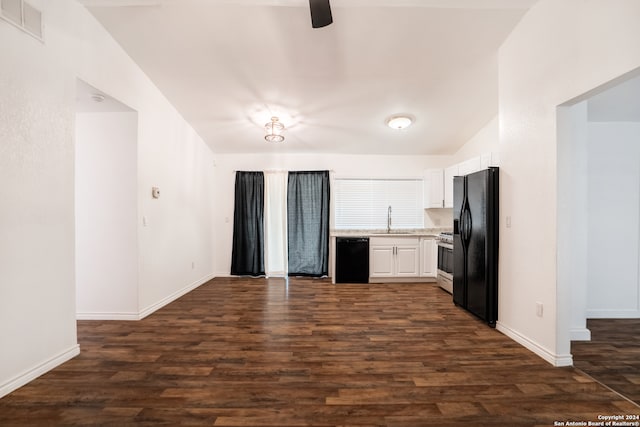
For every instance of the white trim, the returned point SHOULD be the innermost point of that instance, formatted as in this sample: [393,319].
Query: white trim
[580,334]
[174,296]
[556,360]
[33,373]
[147,311]
[417,280]
[613,314]
[107,316]
[222,274]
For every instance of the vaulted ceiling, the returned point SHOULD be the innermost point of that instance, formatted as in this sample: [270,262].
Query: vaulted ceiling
[228,66]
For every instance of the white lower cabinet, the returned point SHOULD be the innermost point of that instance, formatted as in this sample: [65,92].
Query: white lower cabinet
[381,259]
[428,257]
[394,257]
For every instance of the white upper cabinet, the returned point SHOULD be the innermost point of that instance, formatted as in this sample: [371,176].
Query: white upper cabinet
[489,159]
[469,166]
[433,188]
[438,183]
[449,173]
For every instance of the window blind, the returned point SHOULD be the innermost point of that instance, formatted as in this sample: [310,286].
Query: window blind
[363,203]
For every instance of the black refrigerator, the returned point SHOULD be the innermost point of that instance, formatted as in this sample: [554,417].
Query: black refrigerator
[475,243]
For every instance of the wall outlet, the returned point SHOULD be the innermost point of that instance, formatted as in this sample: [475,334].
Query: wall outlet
[539,309]
[508,221]
[193,265]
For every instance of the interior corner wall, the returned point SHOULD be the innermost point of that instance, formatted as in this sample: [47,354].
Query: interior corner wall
[486,140]
[106,215]
[37,121]
[558,51]
[175,232]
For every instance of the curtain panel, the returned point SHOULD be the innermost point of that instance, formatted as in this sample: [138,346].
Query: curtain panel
[247,257]
[308,223]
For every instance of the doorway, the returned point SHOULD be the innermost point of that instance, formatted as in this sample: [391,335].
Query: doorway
[599,219]
[105,206]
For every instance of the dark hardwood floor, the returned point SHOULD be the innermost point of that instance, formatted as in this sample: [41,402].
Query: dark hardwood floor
[249,352]
[613,354]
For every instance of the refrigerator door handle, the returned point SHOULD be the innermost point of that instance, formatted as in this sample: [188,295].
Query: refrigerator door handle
[463,227]
[467,224]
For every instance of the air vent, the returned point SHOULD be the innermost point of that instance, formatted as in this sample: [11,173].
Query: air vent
[12,10]
[22,15]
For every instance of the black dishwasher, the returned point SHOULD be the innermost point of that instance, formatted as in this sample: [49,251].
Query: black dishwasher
[352,260]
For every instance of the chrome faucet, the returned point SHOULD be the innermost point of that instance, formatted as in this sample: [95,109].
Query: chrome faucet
[389,219]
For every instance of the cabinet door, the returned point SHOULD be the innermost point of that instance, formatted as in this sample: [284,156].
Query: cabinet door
[408,261]
[449,173]
[381,260]
[433,188]
[429,257]
[489,159]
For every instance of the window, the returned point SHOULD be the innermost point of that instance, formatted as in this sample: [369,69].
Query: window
[363,203]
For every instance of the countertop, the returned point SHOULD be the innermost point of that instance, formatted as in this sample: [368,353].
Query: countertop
[419,232]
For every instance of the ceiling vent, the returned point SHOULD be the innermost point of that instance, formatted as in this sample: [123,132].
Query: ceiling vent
[22,15]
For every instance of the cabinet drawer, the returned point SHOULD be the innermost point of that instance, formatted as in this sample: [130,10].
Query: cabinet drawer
[394,241]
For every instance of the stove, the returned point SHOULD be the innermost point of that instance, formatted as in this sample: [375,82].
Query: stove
[446,237]
[445,261]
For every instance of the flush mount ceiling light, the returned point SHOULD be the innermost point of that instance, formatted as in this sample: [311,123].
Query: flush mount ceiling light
[399,122]
[274,130]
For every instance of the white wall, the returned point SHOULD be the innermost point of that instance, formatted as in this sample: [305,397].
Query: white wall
[573,214]
[37,279]
[37,105]
[340,165]
[486,140]
[558,51]
[106,215]
[176,245]
[613,285]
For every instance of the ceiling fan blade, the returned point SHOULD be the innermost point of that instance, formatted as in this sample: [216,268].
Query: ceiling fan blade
[320,13]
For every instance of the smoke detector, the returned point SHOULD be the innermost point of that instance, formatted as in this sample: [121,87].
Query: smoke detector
[98,97]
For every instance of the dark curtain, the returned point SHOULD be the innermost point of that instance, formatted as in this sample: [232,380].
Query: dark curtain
[308,223]
[247,257]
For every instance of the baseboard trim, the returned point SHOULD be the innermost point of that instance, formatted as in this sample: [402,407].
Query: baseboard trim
[107,316]
[556,360]
[431,280]
[33,373]
[613,314]
[580,334]
[174,296]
